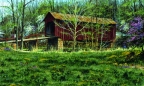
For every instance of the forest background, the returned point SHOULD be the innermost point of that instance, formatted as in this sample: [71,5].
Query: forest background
[23,16]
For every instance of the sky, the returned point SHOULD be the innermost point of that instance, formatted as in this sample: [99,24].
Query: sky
[2,11]
[3,3]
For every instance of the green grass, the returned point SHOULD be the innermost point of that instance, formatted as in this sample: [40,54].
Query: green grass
[107,68]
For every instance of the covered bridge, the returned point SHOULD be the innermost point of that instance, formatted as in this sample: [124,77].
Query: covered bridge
[55,32]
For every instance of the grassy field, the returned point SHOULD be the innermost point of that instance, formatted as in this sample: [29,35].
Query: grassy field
[107,68]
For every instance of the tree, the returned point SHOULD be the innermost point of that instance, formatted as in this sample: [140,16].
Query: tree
[17,9]
[24,4]
[6,27]
[101,9]
[72,21]
[15,19]
[8,22]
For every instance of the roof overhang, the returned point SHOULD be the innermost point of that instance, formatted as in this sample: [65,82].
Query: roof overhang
[89,19]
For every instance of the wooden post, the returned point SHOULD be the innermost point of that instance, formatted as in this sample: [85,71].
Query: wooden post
[36,44]
[14,46]
[112,43]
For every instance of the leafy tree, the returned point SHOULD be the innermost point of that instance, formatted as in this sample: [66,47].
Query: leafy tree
[101,9]
[23,4]
[6,27]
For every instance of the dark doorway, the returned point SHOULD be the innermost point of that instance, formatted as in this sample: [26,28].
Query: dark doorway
[32,45]
[52,43]
[50,29]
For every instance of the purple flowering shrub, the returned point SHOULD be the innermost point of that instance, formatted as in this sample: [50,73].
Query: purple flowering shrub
[136,31]
[132,33]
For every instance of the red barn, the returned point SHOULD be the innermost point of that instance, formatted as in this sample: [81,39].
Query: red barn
[55,31]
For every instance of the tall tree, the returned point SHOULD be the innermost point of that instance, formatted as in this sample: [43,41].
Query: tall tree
[6,27]
[72,22]
[24,4]
[13,9]
[8,22]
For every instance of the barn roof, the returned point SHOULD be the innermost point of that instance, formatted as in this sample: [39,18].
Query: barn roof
[69,17]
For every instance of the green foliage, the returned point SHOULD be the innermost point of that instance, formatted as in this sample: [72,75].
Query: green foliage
[64,69]
[7,26]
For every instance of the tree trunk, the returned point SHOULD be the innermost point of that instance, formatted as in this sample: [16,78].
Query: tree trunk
[101,41]
[134,6]
[142,48]
[74,42]
[22,31]
[14,21]
[16,38]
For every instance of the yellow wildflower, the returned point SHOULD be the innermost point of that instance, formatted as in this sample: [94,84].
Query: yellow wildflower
[27,59]
[43,59]
[112,56]
[81,83]
[120,64]
[115,64]
[107,69]
[126,53]
[12,84]
[137,53]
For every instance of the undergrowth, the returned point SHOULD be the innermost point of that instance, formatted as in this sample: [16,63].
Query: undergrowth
[102,68]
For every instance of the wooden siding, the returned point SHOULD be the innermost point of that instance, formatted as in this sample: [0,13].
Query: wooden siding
[108,36]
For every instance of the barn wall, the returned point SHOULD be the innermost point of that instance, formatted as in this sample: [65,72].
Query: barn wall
[59,33]
[108,36]
[48,18]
